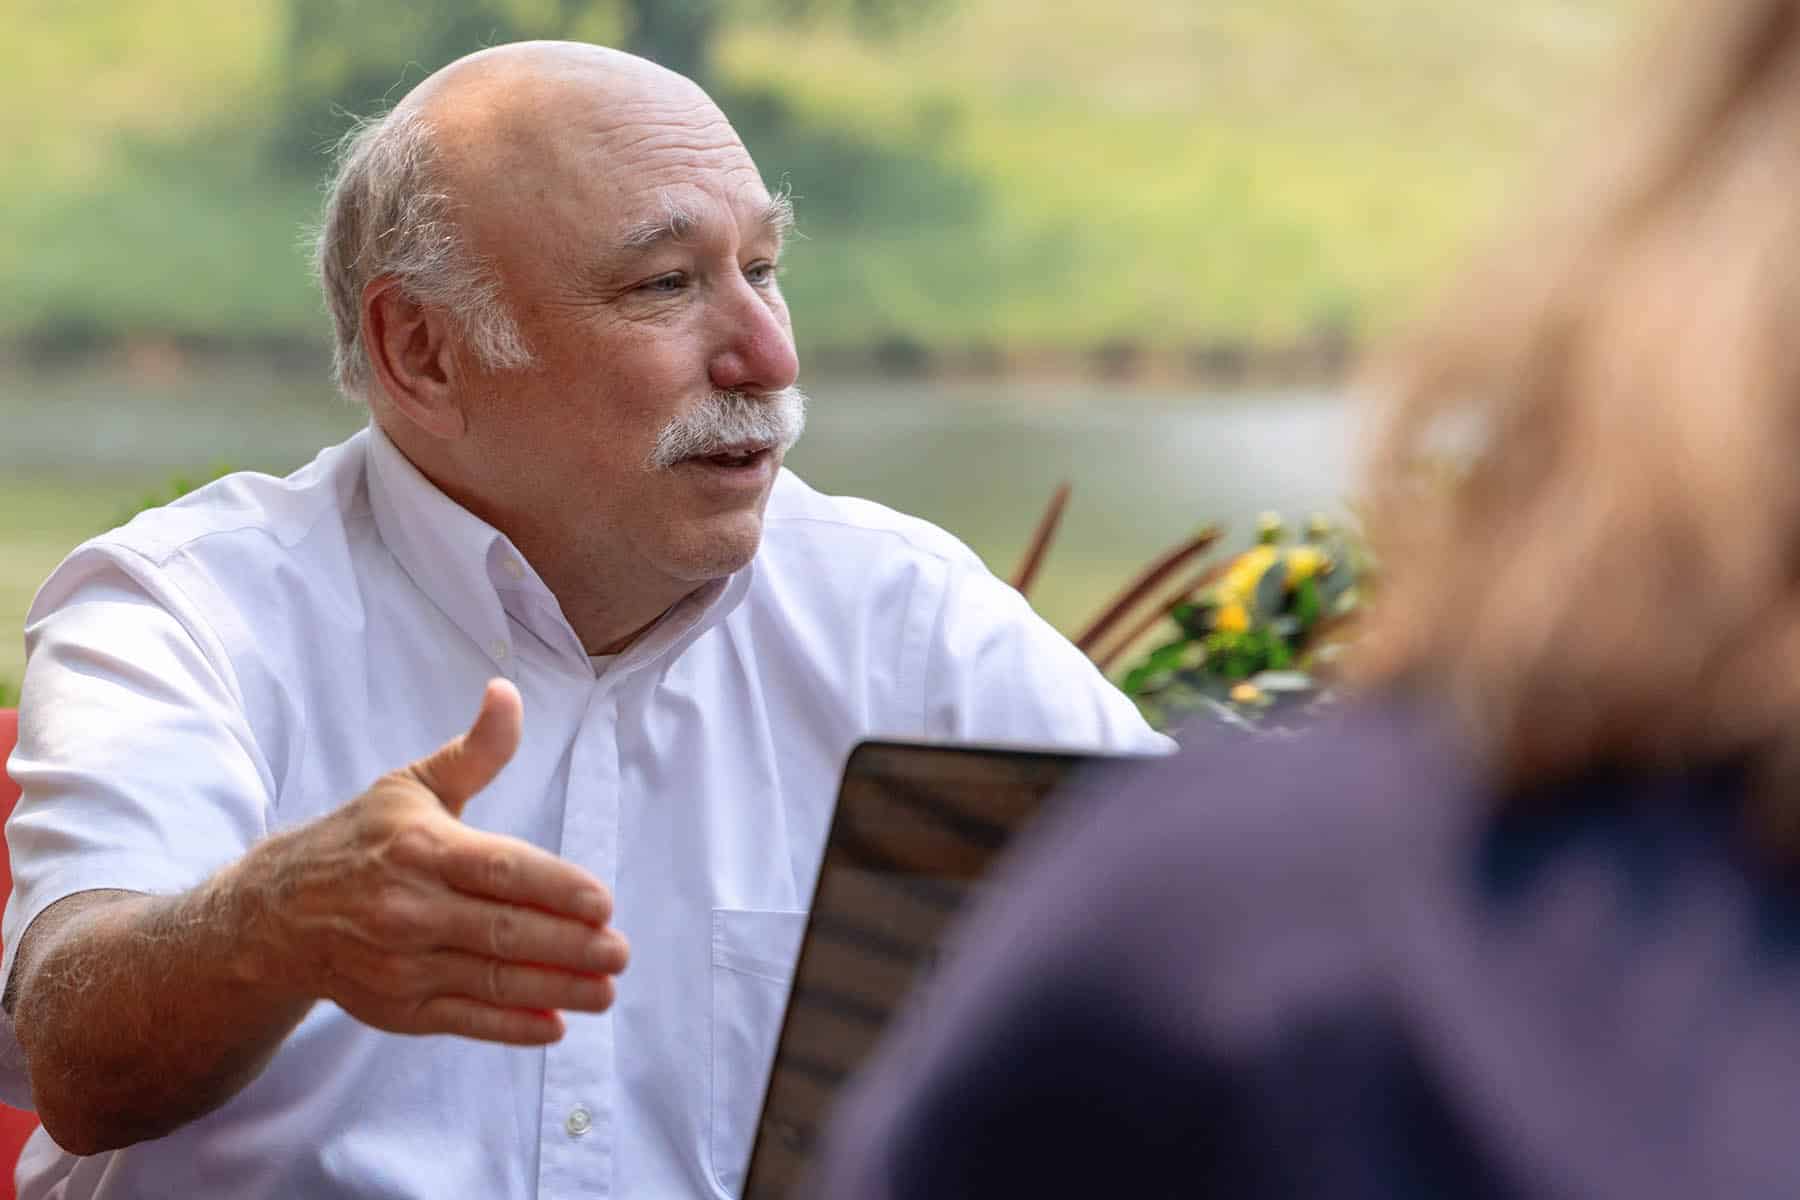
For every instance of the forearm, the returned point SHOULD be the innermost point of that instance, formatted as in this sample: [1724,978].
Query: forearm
[139,1013]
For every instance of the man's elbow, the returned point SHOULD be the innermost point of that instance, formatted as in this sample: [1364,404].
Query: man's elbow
[79,1116]
[83,1123]
[74,1131]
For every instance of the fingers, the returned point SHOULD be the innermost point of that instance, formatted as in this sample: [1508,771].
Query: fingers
[485,1022]
[520,985]
[509,933]
[464,765]
[518,873]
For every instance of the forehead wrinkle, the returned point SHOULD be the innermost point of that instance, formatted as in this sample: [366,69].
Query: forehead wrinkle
[621,114]
[558,130]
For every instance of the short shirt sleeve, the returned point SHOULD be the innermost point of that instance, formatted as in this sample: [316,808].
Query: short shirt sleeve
[137,767]
[999,673]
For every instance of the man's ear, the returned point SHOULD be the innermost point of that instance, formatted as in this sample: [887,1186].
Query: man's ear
[412,352]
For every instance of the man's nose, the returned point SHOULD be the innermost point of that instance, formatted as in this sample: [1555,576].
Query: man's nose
[758,351]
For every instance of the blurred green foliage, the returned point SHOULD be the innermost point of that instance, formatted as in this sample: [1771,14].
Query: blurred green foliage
[976,172]
[60,521]
[337,62]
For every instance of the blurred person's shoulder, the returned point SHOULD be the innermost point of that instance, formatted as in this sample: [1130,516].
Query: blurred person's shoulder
[1317,843]
[1336,791]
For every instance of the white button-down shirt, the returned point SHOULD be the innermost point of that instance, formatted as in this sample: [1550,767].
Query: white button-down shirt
[251,657]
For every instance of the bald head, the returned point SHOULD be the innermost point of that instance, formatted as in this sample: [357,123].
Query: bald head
[506,156]
[528,73]
[537,138]
[505,106]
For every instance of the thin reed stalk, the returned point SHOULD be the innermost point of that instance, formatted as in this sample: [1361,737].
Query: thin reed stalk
[1146,582]
[1180,595]
[1027,573]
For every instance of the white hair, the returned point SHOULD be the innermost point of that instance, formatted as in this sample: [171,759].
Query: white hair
[727,419]
[388,212]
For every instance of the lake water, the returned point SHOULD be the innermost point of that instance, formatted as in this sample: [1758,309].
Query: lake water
[979,459]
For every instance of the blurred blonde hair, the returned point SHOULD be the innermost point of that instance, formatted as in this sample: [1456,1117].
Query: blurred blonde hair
[1583,482]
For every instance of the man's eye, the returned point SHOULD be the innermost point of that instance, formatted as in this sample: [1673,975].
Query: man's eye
[668,284]
[761,274]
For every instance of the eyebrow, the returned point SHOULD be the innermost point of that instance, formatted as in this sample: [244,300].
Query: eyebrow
[677,224]
[778,215]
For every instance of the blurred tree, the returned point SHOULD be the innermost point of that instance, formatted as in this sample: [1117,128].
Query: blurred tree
[680,34]
[342,57]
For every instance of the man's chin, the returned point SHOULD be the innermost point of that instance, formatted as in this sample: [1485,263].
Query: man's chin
[719,547]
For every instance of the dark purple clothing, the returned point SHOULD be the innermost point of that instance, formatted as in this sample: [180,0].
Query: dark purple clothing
[1323,967]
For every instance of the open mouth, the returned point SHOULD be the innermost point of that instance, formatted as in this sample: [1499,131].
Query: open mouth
[736,458]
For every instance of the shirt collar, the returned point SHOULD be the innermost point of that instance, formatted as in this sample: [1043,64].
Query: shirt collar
[476,576]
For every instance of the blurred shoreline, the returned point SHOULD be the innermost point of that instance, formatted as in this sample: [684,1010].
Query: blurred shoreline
[1320,359]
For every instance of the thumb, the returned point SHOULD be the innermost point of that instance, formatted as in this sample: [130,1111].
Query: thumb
[464,765]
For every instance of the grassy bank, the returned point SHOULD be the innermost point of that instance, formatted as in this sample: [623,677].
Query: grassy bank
[41,520]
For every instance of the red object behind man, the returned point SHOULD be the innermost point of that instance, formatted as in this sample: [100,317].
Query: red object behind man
[15,1125]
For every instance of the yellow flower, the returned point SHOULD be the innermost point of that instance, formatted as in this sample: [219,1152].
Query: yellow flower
[1304,562]
[1239,583]
[1232,618]
[1246,693]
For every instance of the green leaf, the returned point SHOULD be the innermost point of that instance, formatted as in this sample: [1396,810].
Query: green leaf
[1166,657]
[1307,605]
[1196,620]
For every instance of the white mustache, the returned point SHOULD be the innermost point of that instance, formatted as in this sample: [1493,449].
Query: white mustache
[726,420]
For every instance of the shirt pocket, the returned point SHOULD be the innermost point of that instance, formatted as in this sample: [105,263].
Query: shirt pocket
[753,956]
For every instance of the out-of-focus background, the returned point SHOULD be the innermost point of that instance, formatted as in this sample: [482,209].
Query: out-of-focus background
[1130,245]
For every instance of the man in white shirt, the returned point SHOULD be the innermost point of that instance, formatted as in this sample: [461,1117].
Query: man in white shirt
[552,274]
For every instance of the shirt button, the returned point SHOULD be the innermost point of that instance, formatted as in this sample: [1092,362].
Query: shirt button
[513,567]
[498,650]
[579,1122]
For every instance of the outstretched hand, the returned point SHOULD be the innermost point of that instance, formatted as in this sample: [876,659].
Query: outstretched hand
[413,922]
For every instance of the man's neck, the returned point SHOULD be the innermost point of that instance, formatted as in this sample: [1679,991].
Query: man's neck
[608,603]
[606,623]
